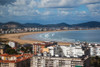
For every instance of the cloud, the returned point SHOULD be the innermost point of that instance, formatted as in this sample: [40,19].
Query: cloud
[67,6]
[94,9]
[46,13]
[64,13]
[32,3]
[73,13]
[59,3]
[22,8]
[3,10]
[19,2]
[5,2]
[1,13]
[90,1]
[49,9]
[31,7]
[81,13]
[66,3]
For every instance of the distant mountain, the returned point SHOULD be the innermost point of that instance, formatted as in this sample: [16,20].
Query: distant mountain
[90,24]
[63,25]
[1,24]
[58,25]
[48,25]
[12,25]
[32,25]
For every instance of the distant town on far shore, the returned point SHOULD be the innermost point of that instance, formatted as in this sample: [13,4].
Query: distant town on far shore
[15,27]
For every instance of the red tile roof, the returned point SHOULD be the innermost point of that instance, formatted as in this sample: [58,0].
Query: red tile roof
[7,55]
[43,44]
[24,57]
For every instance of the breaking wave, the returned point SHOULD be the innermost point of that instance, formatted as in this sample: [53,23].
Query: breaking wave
[67,36]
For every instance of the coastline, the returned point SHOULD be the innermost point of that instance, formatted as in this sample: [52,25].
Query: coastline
[16,37]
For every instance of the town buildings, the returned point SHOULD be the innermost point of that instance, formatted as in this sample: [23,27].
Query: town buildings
[56,50]
[1,49]
[12,44]
[10,59]
[56,62]
[94,49]
[69,51]
[49,54]
[27,29]
[15,60]
[39,48]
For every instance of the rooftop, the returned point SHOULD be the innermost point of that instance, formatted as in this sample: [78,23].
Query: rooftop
[23,57]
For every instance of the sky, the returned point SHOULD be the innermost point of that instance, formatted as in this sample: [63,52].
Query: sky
[49,11]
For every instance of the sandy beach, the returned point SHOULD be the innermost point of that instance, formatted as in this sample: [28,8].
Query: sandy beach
[16,37]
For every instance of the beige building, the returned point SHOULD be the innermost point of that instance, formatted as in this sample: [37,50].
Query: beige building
[1,49]
[56,62]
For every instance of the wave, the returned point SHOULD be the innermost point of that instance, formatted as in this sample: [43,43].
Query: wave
[69,36]
[52,37]
[53,34]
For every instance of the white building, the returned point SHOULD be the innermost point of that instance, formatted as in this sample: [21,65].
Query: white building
[67,51]
[72,51]
[94,50]
[11,44]
[51,50]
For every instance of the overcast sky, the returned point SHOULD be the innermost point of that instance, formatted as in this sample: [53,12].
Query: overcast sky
[49,11]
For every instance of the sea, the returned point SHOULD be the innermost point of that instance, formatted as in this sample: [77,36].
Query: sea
[91,36]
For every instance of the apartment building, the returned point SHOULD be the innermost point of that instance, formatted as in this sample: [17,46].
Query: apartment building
[15,60]
[94,49]
[66,51]
[39,48]
[56,62]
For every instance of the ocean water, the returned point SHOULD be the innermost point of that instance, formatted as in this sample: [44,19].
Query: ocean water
[92,36]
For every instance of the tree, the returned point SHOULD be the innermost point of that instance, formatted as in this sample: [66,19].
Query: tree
[10,51]
[95,61]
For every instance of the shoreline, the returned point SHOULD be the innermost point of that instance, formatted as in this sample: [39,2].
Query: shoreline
[16,37]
